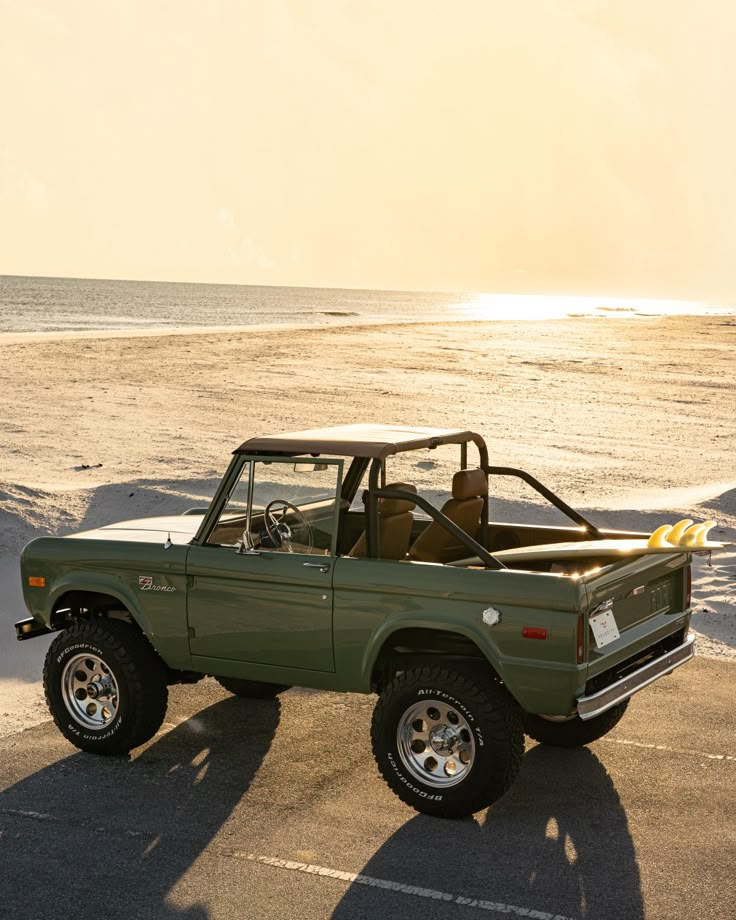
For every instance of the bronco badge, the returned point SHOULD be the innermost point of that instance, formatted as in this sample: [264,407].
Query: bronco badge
[145,583]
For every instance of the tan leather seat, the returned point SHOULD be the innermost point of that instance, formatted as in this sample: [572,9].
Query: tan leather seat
[394,526]
[434,543]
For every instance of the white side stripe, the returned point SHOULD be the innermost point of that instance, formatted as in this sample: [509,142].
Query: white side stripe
[360,879]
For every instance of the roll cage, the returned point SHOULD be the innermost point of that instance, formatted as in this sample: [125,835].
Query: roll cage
[370,445]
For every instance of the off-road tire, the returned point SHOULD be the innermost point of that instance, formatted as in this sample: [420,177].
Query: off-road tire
[489,715]
[141,680]
[253,689]
[575,732]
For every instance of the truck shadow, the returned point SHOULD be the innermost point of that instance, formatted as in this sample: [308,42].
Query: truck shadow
[558,843]
[111,837]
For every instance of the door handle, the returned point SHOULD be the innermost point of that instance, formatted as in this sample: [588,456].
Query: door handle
[322,566]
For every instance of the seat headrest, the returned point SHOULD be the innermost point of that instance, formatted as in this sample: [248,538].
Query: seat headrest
[389,506]
[469,484]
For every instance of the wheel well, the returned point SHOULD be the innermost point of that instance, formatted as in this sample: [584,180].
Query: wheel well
[408,648]
[82,605]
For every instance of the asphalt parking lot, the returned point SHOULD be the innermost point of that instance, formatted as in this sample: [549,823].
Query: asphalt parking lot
[274,809]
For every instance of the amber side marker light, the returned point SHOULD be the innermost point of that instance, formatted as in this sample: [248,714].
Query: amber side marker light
[534,632]
[35,581]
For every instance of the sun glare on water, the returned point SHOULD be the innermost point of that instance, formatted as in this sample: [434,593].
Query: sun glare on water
[543,307]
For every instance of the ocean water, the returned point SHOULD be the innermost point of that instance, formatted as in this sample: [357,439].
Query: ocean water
[70,304]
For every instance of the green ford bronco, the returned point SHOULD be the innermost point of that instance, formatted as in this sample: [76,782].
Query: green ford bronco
[308,569]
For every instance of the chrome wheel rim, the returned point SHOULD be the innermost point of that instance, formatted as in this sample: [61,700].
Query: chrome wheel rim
[90,691]
[435,743]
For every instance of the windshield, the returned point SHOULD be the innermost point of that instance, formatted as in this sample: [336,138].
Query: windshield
[300,491]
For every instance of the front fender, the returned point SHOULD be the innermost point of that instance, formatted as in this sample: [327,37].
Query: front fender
[102,584]
[152,587]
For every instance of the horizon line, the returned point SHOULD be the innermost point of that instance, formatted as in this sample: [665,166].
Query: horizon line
[461,292]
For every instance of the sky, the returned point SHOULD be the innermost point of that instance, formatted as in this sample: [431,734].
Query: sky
[534,146]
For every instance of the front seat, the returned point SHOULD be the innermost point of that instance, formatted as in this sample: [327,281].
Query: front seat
[434,543]
[394,526]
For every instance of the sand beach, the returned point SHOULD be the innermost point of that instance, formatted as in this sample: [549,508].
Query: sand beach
[630,419]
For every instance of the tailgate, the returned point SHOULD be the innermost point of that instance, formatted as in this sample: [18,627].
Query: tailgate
[649,601]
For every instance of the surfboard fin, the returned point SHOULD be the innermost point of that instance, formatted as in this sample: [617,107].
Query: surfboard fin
[659,538]
[683,535]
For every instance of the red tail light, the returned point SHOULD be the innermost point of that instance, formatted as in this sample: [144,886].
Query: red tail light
[533,632]
[688,587]
[581,638]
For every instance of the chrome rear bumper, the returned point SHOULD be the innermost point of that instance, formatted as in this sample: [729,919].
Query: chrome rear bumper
[591,706]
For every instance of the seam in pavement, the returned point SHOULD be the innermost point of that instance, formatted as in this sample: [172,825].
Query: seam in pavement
[669,750]
[372,882]
[20,813]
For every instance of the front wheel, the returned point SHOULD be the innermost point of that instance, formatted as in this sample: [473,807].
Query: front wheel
[574,732]
[105,686]
[447,743]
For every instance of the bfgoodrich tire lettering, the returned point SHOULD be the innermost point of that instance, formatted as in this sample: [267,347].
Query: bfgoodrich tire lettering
[116,652]
[447,743]
[575,732]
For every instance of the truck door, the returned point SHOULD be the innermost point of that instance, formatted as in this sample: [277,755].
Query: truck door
[260,585]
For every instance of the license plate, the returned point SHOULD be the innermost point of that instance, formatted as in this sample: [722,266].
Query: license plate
[604,628]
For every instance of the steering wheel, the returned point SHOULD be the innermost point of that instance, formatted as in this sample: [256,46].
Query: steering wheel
[279,532]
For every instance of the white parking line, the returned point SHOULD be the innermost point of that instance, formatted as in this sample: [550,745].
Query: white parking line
[670,750]
[359,878]
[35,815]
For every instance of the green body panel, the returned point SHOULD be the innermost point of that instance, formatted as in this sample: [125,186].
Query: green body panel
[374,599]
[114,568]
[271,608]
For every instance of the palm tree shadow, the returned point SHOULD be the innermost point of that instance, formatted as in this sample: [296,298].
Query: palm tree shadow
[112,837]
[558,843]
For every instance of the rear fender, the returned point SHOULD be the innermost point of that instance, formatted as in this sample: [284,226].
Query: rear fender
[537,685]
[382,637]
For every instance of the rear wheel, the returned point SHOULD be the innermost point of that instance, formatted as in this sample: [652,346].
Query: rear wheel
[447,743]
[255,689]
[574,732]
[105,686]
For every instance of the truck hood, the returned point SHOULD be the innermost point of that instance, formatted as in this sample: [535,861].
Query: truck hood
[180,528]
